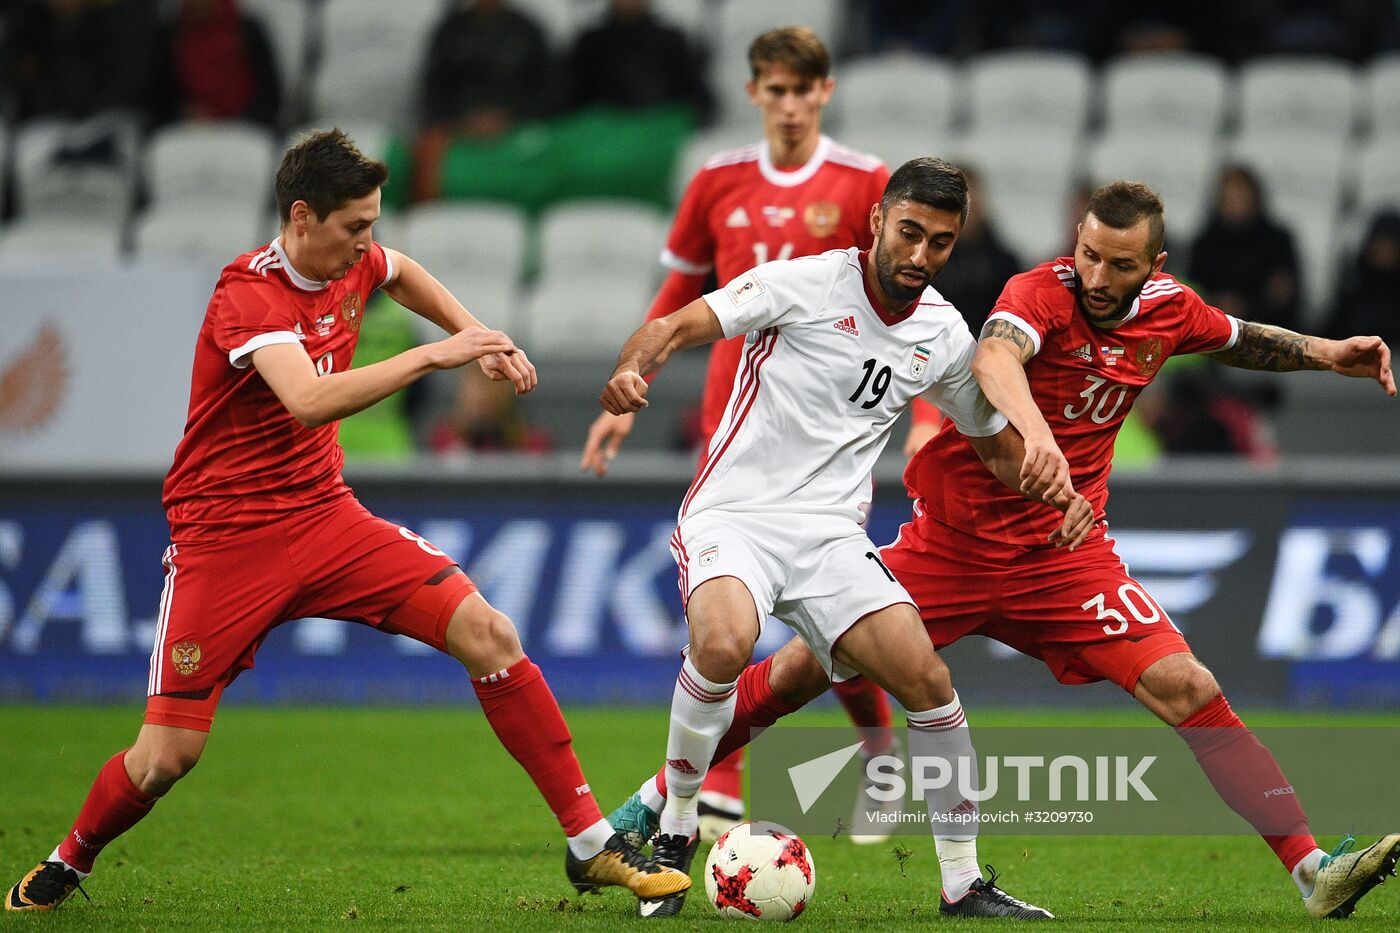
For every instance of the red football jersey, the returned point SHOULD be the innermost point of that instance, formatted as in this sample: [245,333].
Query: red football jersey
[1084,379]
[740,210]
[244,459]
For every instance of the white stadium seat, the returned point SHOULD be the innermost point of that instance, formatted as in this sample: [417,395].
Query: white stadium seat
[1383,96]
[492,299]
[895,147]
[215,234]
[481,239]
[895,93]
[1180,167]
[1026,186]
[1290,93]
[1378,174]
[287,25]
[561,20]
[48,181]
[371,60]
[211,161]
[572,316]
[702,145]
[61,236]
[1166,93]
[1036,93]
[595,238]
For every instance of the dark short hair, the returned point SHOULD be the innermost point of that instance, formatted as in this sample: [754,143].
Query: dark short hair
[795,47]
[929,181]
[327,172]
[1122,205]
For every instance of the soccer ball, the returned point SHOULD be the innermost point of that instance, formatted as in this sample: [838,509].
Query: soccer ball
[760,871]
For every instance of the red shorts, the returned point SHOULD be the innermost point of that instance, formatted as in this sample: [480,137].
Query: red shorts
[224,595]
[1079,612]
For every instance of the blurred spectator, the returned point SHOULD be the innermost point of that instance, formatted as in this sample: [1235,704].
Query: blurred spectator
[633,59]
[1369,302]
[488,68]
[1202,414]
[937,27]
[75,58]
[974,281]
[486,417]
[218,66]
[1243,261]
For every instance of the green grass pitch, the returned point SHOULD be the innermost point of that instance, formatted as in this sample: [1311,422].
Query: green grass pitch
[418,819]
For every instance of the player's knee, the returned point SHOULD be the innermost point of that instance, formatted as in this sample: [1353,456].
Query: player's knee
[796,676]
[1197,688]
[484,633]
[927,688]
[163,767]
[721,654]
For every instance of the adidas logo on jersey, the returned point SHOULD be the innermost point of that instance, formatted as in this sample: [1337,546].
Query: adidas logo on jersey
[740,218]
[847,325]
[1085,353]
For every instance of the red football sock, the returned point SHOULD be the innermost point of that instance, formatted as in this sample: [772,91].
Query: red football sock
[758,707]
[726,776]
[526,718]
[1246,776]
[869,709]
[113,806]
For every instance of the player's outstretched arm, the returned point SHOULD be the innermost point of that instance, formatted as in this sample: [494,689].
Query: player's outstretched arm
[315,400]
[650,347]
[1000,368]
[417,290]
[1263,346]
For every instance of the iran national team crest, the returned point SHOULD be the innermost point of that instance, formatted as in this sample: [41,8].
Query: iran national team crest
[709,555]
[822,218]
[918,362]
[351,310]
[1149,356]
[186,656]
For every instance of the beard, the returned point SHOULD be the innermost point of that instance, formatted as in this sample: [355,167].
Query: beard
[886,270]
[1117,310]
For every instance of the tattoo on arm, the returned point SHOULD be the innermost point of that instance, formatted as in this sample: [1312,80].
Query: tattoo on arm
[1263,346]
[1008,331]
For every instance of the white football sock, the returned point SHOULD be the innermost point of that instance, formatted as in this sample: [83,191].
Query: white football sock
[591,841]
[82,875]
[701,712]
[651,795]
[943,733]
[1305,872]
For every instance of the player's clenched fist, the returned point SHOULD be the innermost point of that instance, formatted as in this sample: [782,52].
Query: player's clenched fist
[625,392]
[1044,471]
[467,345]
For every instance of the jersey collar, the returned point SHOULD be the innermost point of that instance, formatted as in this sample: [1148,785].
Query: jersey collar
[888,319]
[775,176]
[297,279]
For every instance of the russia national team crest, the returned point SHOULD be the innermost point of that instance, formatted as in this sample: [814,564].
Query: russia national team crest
[1149,356]
[186,656]
[822,218]
[918,362]
[351,310]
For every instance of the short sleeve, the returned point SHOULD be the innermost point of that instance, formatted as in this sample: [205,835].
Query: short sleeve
[380,267]
[769,295]
[252,315]
[957,394]
[1205,329]
[1022,305]
[690,247]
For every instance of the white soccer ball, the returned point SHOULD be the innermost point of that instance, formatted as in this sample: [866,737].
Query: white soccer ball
[760,871]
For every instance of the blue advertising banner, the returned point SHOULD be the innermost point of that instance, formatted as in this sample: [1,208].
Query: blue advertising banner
[1286,602]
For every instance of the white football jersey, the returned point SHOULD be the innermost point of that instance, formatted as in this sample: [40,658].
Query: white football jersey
[824,375]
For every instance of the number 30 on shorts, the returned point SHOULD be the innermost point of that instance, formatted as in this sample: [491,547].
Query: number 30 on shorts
[1134,599]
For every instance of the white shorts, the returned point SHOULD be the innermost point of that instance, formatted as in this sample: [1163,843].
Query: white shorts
[817,574]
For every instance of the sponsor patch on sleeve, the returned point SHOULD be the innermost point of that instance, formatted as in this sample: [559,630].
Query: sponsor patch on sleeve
[744,289]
